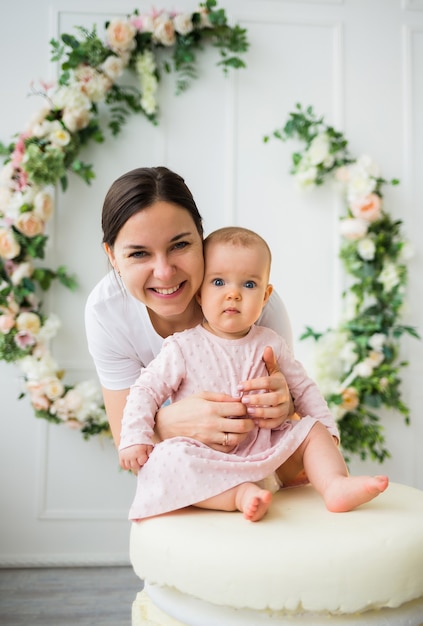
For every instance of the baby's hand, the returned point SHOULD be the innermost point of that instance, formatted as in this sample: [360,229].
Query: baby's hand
[134,457]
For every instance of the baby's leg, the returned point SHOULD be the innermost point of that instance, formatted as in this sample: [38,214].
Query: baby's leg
[328,473]
[247,498]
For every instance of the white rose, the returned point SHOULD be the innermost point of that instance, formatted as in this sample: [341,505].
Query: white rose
[6,195]
[377,341]
[305,177]
[183,23]
[38,368]
[71,98]
[369,166]
[113,67]
[6,174]
[318,150]
[58,135]
[49,328]
[363,369]
[366,248]
[389,277]
[353,229]
[23,270]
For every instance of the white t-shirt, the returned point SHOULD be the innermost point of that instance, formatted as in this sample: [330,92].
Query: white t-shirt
[121,338]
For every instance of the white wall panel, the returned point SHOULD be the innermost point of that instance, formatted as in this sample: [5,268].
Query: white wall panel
[64,500]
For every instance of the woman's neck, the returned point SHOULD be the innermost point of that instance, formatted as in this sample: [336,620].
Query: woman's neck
[165,326]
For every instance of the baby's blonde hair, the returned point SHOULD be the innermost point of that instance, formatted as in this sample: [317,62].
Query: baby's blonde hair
[237,236]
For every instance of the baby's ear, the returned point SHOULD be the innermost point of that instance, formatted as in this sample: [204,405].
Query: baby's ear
[267,293]
[198,297]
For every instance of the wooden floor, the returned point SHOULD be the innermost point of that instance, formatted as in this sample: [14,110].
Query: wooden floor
[82,596]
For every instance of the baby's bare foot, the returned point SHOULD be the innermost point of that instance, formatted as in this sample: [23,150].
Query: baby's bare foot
[347,493]
[253,501]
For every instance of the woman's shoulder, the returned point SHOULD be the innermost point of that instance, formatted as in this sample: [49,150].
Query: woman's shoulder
[108,288]
[275,316]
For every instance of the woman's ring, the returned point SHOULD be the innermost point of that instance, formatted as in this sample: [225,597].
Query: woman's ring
[225,439]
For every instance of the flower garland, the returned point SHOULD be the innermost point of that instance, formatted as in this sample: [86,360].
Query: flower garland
[49,148]
[357,363]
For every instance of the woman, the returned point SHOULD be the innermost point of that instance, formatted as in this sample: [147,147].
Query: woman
[153,237]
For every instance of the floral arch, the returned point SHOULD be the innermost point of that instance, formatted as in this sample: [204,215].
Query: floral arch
[364,372]
[92,74]
[358,364]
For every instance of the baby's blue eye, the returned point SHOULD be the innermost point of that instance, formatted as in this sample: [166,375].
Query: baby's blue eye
[218,282]
[250,284]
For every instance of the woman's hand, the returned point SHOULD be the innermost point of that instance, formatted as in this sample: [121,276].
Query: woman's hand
[273,405]
[204,417]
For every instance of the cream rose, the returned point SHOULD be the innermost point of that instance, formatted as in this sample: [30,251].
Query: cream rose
[53,388]
[43,205]
[29,322]
[120,35]
[93,83]
[350,399]
[164,31]
[76,119]
[9,247]
[30,224]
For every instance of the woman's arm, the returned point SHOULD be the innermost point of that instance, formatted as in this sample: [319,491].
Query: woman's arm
[115,401]
[202,417]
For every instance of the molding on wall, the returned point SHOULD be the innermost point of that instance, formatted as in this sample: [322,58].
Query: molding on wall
[409,33]
[412,5]
[64,560]
[44,512]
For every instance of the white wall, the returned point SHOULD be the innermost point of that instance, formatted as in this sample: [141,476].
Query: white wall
[359,63]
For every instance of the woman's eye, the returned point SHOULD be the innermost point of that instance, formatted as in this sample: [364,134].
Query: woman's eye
[180,245]
[138,254]
[250,284]
[218,282]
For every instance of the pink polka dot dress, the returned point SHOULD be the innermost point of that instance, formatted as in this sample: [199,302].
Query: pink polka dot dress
[182,471]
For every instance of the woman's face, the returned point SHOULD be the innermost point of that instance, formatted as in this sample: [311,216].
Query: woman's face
[159,255]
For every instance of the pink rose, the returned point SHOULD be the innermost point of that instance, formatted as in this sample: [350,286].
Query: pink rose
[9,247]
[7,322]
[368,208]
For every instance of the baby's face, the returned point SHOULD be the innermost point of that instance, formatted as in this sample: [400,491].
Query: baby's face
[235,288]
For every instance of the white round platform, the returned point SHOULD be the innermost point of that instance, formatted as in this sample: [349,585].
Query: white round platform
[300,562]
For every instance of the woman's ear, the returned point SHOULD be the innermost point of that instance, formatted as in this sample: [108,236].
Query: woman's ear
[109,251]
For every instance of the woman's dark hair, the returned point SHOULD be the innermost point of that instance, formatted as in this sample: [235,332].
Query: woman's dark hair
[139,189]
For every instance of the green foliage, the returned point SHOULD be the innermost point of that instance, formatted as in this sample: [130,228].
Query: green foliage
[358,362]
